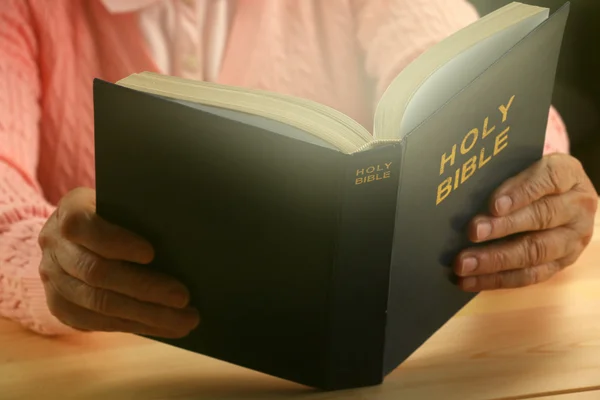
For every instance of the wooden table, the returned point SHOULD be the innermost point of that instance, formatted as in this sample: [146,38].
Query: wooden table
[540,342]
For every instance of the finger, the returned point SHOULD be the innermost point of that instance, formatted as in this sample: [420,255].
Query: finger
[130,280]
[86,320]
[510,279]
[553,174]
[116,305]
[546,213]
[518,278]
[78,222]
[522,252]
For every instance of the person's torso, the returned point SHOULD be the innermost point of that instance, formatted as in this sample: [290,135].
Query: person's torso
[305,48]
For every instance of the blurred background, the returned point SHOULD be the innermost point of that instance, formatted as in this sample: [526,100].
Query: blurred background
[577,91]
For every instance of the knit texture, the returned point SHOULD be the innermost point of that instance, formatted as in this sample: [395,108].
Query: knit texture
[341,53]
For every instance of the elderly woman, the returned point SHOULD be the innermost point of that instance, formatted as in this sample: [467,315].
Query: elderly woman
[64,270]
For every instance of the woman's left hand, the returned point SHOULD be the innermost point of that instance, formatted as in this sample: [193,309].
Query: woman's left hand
[545,216]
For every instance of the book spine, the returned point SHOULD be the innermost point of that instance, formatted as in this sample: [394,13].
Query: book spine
[360,278]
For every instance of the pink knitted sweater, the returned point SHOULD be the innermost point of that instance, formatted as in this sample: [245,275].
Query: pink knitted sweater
[339,52]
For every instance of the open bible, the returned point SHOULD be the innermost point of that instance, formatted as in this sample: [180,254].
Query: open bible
[315,249]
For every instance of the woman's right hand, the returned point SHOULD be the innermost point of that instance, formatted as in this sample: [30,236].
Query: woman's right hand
[92,282]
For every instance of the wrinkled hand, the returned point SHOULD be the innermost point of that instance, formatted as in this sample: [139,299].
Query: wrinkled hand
[545,216]
[92,282]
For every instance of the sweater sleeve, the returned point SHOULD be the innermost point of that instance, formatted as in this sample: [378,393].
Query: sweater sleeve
[23,209]
[392,33]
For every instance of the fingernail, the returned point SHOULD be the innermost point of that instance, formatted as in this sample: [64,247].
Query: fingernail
[503,205]
[469,283]
[179,297]
[193,316]
[469,265]
[484,229]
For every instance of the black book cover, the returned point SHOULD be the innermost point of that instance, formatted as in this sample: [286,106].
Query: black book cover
[308,264]
[490,131]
